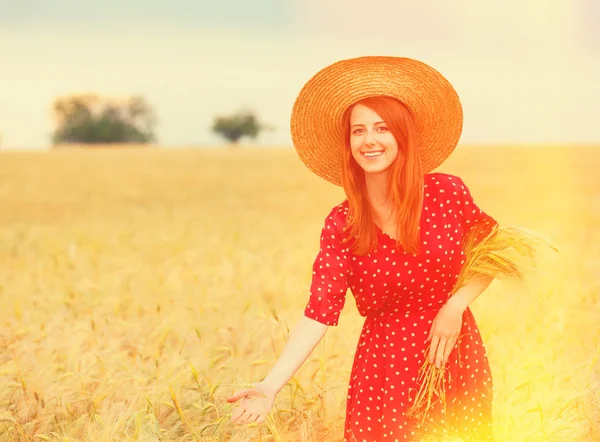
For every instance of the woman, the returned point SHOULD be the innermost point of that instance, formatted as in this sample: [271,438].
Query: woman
[378,126]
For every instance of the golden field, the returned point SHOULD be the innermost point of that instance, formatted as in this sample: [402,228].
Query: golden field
[139,288]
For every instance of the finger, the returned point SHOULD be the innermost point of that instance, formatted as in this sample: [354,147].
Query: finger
[261,418]
[236,413]
[432,350]
[240,417]
[238,395]
[439,357]
[244,418]
[449,348]
[252,418]
[430,331]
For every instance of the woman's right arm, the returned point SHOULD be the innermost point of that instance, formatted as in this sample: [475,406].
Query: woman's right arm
[327,296]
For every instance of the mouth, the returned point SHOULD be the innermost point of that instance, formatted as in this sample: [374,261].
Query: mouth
[372,154]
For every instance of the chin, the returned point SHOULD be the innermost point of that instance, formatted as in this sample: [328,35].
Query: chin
[371,168]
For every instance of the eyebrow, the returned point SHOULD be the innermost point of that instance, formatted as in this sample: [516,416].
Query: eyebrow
[377,122]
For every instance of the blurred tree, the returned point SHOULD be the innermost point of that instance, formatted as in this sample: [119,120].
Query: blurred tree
[89,119]
[240,124]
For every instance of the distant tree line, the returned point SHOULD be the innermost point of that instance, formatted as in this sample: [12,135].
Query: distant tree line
[91,119]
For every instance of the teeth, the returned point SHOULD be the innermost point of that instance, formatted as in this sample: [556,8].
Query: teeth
[372,154]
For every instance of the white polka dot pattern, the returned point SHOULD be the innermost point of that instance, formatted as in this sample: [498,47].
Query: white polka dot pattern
[399,294]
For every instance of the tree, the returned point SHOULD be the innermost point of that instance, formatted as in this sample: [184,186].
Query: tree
[240,124]
[89,119]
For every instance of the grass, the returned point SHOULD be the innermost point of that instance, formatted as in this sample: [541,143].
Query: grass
[139,288]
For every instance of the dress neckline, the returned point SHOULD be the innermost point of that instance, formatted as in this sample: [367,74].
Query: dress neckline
[381,232]
[422,217]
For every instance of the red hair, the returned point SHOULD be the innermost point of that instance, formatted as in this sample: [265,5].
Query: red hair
[404,184]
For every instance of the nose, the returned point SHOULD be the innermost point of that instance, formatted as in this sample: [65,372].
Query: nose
[370,139]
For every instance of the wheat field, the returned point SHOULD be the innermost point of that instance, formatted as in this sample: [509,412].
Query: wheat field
[141,287]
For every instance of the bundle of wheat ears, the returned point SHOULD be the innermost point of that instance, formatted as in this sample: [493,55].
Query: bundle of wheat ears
[503,253]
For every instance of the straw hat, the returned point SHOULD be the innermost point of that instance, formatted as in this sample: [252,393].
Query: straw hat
[316,122]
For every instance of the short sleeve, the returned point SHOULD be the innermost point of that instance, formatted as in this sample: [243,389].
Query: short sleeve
[471,215]
[330,272]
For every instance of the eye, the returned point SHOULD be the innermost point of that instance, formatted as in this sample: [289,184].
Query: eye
[382,129]
[357,131]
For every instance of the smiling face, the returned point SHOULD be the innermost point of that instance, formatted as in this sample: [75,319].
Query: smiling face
[373,145]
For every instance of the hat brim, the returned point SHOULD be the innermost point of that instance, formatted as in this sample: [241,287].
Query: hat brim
[316,121]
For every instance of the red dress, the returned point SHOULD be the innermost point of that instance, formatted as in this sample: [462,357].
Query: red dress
[399,295]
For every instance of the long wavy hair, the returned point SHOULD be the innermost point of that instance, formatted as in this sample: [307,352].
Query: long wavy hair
[404,182]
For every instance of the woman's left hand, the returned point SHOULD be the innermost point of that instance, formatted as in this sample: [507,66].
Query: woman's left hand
[444,332]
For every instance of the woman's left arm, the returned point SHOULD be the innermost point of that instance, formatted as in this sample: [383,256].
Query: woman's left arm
[466,294]
[446,326]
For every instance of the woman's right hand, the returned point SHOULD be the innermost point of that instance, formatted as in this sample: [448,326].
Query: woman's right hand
[254,406]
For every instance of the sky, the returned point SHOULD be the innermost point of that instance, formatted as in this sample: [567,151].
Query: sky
[525,71]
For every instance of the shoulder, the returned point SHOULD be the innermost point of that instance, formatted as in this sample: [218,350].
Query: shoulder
[443,180]
[445,183]
[336,219]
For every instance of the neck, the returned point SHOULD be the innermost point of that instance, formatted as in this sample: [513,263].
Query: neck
[376,189]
